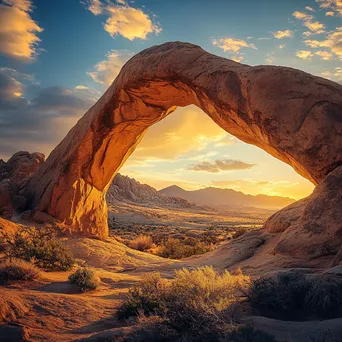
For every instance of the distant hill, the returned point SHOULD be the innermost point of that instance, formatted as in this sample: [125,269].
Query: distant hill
[226,198]
[126,189]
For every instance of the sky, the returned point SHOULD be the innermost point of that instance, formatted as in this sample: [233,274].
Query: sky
[57,57]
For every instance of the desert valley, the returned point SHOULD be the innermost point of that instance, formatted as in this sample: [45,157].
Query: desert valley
[171,191]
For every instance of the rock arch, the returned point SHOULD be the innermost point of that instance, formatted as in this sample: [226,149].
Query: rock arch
[294,116]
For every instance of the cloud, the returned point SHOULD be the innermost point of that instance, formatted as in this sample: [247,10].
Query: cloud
[94,6]
[283,34]
[220,165]
[234,46]
[329,14]
[324,55]
[270,58]
[333,42]
[315,26]
[304,54]
[302,16]
[308,8]
[334,5]
[281,46]
[40,122]
[106,71]
[18,31]
[129,22]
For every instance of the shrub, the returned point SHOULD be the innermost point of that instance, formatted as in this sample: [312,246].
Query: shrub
[178,249]
[85,279]
[239,233]
[142,243]
[17,270]
[152,328]
[198,302]
[324,297]
[294,294]
[147,298]
[42,245]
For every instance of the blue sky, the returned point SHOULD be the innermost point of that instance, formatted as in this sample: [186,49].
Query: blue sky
[58,57]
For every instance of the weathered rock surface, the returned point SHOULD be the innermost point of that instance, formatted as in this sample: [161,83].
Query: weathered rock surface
[12,174]
[313,226]
[294,116]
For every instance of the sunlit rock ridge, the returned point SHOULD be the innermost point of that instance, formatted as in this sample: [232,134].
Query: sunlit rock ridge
[294,116]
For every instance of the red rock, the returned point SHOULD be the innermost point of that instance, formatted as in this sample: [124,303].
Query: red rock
[294,116]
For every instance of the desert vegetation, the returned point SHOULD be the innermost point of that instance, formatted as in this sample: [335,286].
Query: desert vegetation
[17,270]
[40,246]
[295,295]
[197,305]
[85,278]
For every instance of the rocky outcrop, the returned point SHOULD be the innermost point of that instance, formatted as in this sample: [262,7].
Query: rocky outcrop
[127,189]
[294,116]
[12,175]
[313,226]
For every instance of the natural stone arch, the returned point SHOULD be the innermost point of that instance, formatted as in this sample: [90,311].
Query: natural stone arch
[292,115]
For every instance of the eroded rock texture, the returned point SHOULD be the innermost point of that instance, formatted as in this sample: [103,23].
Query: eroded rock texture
[292,115]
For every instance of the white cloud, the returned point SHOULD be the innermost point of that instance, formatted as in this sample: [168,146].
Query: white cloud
[283,34]
[238,59]
[18,31]
[281,46]
[269,59]
[106,71]
[308,8]
[304,54]
[129,22]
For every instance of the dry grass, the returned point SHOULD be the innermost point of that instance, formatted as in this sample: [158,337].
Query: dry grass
[199,301]
[17,270]
[142,243]
[41,244]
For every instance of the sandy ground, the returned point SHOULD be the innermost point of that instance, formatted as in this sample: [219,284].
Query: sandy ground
[53,310]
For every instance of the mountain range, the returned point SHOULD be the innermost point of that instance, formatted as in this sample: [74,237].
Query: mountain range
[124,188]
[226,198]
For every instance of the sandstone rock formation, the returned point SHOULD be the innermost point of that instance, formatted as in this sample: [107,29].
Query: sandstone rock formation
[12,174]
[294,116]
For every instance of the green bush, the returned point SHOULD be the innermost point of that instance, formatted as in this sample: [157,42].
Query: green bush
[40,245]
[17,270]
[199,302]
[85,279]
[293,294]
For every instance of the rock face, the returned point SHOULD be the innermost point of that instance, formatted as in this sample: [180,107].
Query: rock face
[312,226]
[294,116]
[12,174]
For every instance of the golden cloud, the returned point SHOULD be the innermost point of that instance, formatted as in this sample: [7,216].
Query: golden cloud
[335,5]
[18,31]
[283,34]
[232,45]
[129,22]
[106,71]
[304,54]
